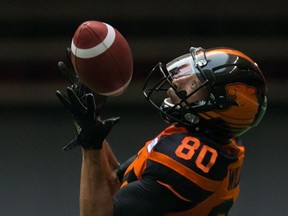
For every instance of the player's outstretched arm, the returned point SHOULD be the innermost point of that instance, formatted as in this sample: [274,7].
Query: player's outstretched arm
[95,193]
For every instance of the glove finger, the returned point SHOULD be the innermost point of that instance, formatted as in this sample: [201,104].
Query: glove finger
[75,101]
[72,144]
[64,101]
[68,54]
[68,74]
[90,104]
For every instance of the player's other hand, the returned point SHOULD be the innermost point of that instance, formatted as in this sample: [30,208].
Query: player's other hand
[91,131]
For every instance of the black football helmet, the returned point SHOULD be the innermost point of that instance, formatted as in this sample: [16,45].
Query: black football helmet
[236,98]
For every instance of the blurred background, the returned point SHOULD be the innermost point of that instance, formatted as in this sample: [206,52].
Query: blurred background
[37,178]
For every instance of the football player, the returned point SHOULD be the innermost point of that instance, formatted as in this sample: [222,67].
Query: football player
[209,98]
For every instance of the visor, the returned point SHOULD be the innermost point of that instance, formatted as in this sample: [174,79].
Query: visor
[183,66]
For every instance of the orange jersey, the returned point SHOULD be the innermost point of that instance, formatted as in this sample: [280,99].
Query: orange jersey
[195,169]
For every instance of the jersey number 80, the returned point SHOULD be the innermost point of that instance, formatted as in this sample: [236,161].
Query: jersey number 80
[187,149]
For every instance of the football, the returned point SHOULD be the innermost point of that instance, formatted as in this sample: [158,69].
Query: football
[102,58]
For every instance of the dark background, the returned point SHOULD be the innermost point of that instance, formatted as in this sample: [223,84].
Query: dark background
[37,178]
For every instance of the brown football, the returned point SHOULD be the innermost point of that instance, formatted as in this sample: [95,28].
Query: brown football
[102,58]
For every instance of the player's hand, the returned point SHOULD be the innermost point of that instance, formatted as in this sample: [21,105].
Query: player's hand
[78,87]
[68,71]
[91,132]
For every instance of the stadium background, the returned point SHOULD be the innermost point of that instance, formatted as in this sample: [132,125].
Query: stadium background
[37,178]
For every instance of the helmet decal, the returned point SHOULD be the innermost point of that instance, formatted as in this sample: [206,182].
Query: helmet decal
[247,105]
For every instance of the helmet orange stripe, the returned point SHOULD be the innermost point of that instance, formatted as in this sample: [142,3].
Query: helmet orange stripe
[230,51]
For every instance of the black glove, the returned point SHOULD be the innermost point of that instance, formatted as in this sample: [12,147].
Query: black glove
[79,88]
[91,132]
